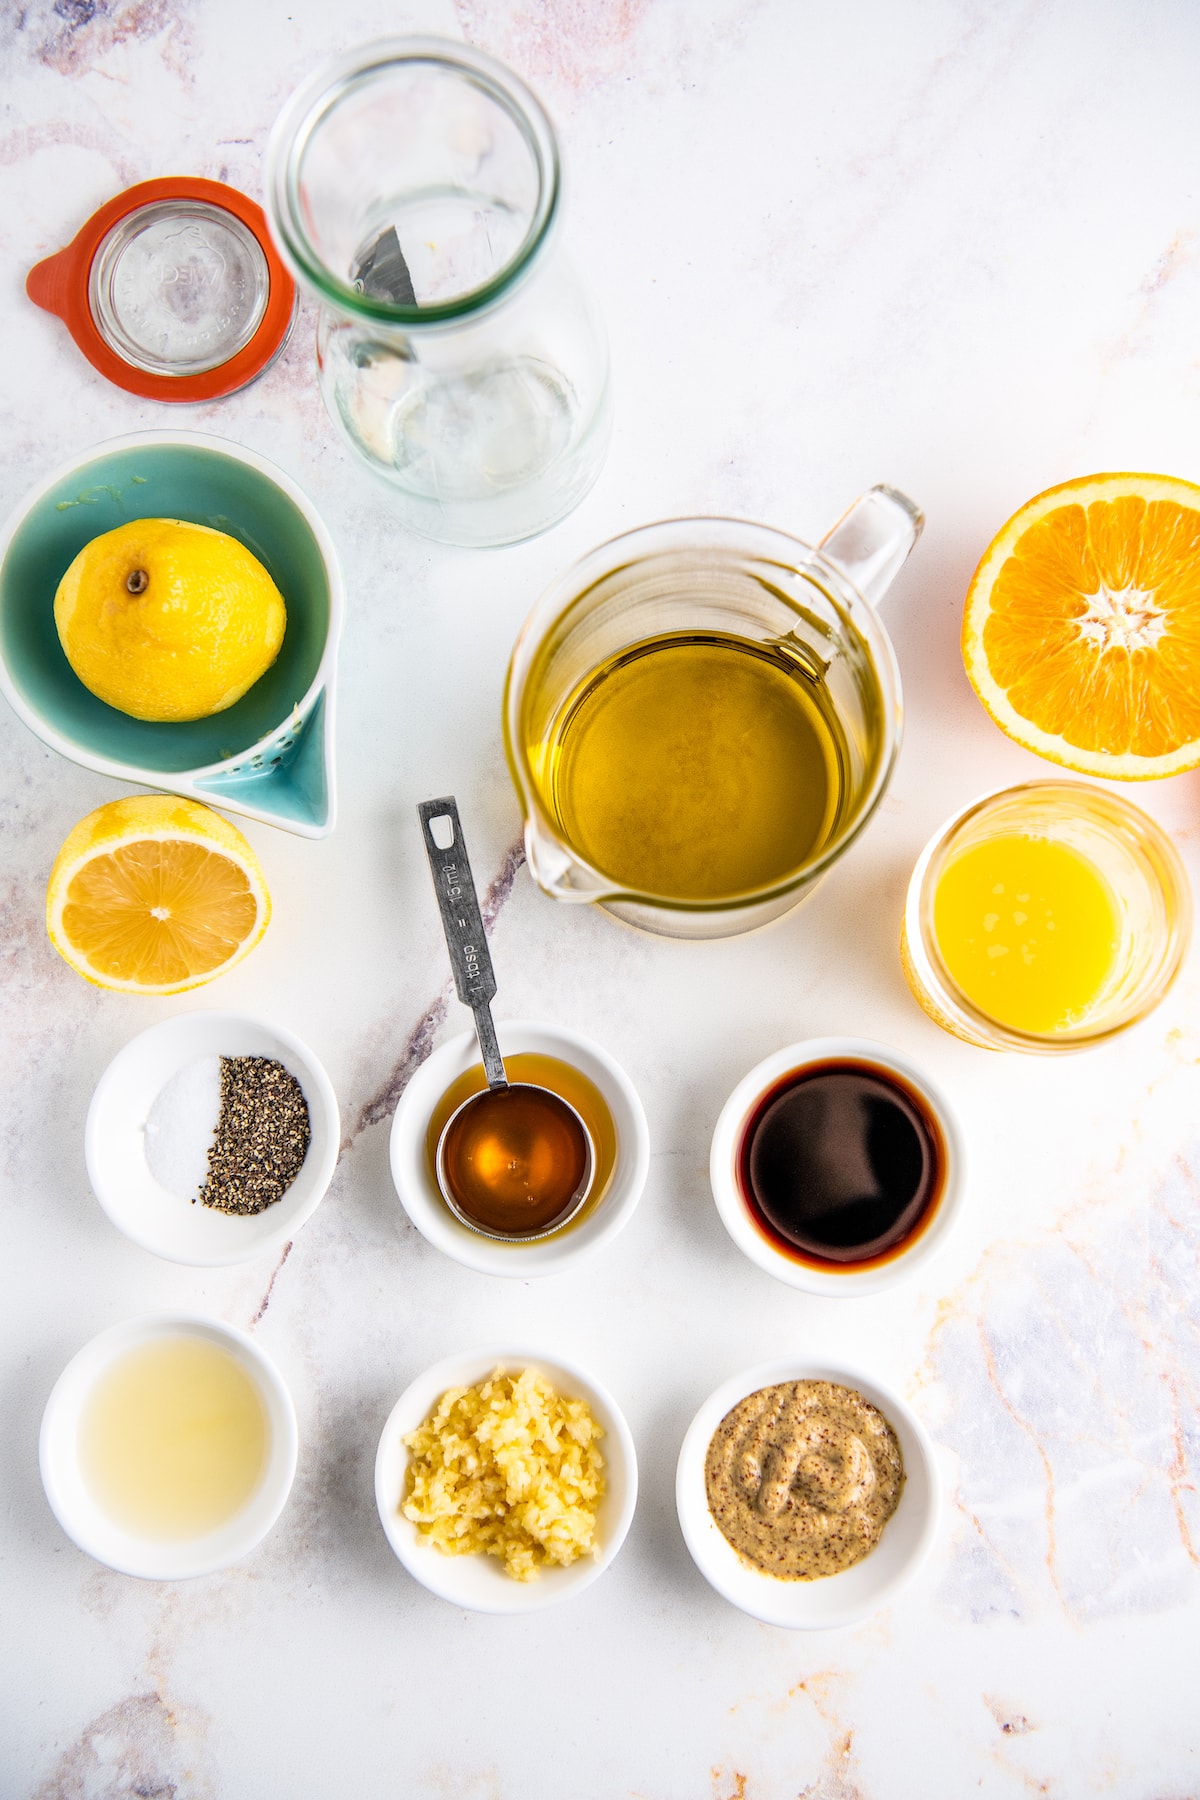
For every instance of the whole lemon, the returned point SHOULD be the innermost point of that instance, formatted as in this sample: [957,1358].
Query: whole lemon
[168,621]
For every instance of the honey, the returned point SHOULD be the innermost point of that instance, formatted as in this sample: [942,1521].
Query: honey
[697,767]
[173,1439]
[515,1161]
[560,1078]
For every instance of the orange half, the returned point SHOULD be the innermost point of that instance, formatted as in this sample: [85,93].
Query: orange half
[1081,632]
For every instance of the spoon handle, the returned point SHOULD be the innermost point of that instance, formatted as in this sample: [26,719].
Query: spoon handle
[462,923]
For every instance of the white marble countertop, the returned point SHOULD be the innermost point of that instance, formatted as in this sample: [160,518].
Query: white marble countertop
[951,246]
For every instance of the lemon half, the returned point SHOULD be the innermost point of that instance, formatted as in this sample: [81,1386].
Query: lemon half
[154,894]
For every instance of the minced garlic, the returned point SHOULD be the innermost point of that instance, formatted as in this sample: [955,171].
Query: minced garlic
[508,1468]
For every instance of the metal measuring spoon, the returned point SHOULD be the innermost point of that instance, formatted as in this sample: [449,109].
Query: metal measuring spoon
[516,1161]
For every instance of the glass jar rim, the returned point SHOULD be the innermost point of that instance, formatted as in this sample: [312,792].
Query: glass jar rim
[315,99]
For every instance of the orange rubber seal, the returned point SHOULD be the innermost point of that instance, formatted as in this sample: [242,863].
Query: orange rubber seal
[59,285]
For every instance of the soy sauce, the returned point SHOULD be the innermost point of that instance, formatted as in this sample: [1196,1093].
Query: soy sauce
[842,1163]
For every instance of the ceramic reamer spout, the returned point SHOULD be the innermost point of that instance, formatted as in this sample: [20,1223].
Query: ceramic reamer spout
[871,542]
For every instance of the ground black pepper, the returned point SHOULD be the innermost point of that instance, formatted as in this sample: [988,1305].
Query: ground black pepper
[261,1139]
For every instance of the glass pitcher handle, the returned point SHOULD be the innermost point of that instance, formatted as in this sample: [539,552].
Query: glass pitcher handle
[871,542]
[555,870]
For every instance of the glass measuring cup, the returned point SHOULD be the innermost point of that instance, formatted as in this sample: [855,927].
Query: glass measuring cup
[734,587]
[413,186]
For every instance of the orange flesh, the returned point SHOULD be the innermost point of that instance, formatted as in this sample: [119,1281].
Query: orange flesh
[1094,627]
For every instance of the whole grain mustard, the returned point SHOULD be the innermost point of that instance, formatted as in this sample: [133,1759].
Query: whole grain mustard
[802,1478]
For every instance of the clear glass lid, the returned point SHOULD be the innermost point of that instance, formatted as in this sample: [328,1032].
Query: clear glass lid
[179,287]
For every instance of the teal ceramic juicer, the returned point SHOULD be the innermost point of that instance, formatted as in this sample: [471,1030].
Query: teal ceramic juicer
[270,756]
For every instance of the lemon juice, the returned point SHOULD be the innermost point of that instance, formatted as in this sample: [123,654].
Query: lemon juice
[1029,930]
[173,1440]
[697,767]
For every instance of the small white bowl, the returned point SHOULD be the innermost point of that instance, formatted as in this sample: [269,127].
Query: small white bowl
[848,1280]
[92,1529]
[115,1142]
[413,1175]
[479,1583]
[832,1600]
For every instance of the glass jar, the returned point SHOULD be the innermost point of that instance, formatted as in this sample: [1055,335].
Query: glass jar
[413,186]
[1128,856]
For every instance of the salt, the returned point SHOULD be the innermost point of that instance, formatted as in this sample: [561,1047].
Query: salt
[181,1127]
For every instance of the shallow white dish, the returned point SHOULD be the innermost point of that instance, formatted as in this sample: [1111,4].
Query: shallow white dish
[479,1583]
[92,1529]
[114,1141]
[848,1280]
[418,1190]
[834,1600]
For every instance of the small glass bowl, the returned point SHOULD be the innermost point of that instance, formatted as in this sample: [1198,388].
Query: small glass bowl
[1137,860]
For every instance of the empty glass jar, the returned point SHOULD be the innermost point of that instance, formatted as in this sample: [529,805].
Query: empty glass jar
[413,186]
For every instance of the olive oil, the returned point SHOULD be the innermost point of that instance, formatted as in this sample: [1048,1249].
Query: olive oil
[698,767]
[173,1439]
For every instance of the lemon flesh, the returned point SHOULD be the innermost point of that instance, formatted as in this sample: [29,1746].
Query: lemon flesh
[168,621]
[155,895]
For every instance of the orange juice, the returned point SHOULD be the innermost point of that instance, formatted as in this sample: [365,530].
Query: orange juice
[1029,930]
